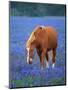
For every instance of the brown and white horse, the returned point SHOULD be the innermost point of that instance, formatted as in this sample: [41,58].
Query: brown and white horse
[44,39]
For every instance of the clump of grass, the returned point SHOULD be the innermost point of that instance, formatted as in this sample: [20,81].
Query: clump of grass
[24,82]
[57,81]
[17,83]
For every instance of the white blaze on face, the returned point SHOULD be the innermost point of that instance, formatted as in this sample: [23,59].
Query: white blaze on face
[28,58]
[27,55]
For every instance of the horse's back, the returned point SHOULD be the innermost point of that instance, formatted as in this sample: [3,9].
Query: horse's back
[45,36]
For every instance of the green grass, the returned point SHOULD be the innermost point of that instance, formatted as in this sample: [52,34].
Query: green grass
[57,81]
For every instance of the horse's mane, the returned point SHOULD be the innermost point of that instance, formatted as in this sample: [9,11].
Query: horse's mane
[32,36]
[30,40]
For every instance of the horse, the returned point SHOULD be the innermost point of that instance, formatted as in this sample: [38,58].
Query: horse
[43,39]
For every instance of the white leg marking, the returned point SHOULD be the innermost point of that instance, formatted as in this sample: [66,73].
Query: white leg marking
[50,55]
[53,65]
[47,64]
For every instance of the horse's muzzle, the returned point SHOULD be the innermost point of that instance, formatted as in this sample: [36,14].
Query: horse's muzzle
[29,61]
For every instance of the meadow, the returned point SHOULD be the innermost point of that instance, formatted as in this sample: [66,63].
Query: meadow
[23,74]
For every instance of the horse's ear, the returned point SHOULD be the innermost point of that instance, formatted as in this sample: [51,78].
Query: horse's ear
[42,27]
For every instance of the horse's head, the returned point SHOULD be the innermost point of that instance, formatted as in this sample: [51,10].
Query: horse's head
[30,54]
[31,44]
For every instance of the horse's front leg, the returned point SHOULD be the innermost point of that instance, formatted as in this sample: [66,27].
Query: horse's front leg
[39,53]
[42,58]
[47,59]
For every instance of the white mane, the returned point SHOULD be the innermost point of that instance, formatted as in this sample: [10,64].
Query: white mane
[31,38]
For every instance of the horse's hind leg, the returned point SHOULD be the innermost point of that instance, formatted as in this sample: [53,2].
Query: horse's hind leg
[47,65]
[54,57]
